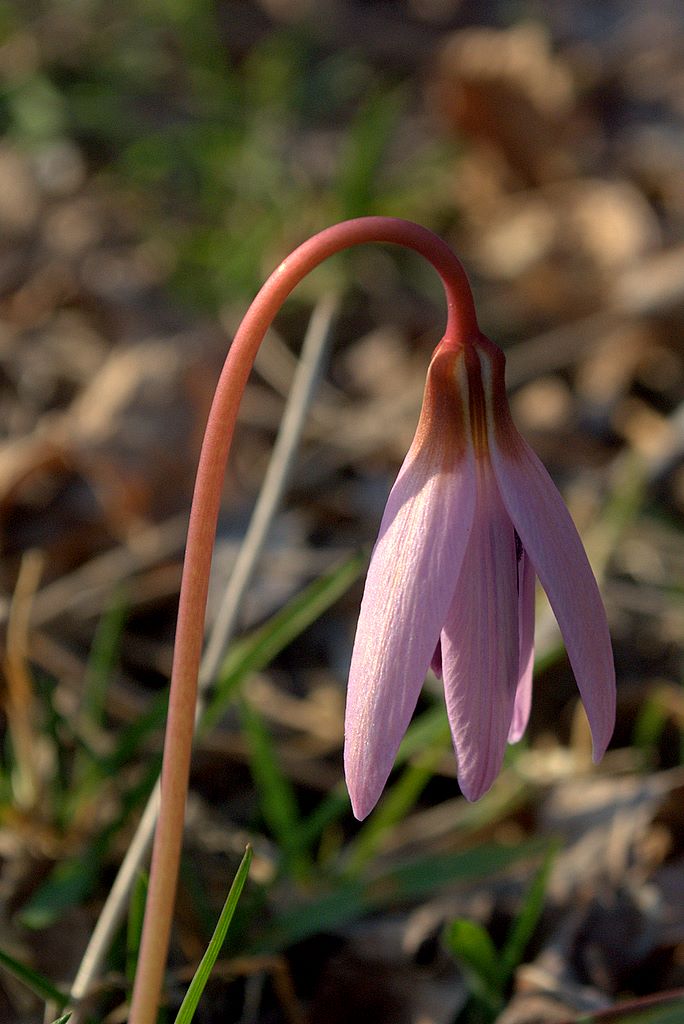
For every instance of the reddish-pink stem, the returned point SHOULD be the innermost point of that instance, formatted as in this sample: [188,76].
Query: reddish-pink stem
[461,324]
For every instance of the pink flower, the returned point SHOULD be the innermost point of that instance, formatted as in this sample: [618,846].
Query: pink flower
[472,518]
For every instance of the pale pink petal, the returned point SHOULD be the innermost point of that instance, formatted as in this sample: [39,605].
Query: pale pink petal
[523,693]
[551,540]
[410,583]
[480,644]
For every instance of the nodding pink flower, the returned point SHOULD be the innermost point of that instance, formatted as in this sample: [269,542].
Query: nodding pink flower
[472,518]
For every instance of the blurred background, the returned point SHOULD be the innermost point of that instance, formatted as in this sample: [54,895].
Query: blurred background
[158,159]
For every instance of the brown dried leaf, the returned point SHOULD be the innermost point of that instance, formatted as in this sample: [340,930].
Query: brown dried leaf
[506,91]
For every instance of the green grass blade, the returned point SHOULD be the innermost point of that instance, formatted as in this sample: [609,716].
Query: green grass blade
[257,650]
[38,984]
[136,911]
[67,885]
[104,655]
[63,1019]
[397,801]
[352,898]
[366,143]
[527,920]
[277,800]
[133,735]
[331,909]
[426,874]
[652,718]
[330,809]
[478,959]
[432,726]
[89,767]
[192,996]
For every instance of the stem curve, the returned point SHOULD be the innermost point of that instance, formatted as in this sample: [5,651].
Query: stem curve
[461,325]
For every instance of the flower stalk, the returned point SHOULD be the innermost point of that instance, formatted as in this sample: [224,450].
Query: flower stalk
[461,329]
[472,520]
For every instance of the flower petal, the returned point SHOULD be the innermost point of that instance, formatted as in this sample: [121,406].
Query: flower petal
[480,646]
[410,583]
[523,694]
[409,587]
[551,540]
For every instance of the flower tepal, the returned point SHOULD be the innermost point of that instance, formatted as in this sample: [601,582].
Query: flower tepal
[472,518]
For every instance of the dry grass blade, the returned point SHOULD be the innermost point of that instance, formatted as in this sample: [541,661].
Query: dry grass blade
[20,701]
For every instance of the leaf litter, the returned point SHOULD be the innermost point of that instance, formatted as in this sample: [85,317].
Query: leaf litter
[560,185]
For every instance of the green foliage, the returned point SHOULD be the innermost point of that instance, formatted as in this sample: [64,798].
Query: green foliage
[662,706]
[524,926]
[68,884]
[368,138]
[134,925]
[650,722]
[89,769]
[478,959]
[275,793]
[33,980]
[342,900]
[72,880]
[487,970]
[103,660]
[228,158]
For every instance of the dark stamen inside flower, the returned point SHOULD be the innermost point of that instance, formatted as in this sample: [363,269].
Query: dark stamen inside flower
[518,546]
[518,558]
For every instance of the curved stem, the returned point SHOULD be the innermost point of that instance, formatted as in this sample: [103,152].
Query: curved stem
[461,324]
